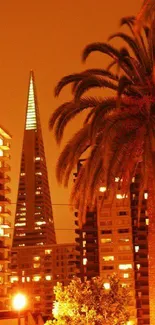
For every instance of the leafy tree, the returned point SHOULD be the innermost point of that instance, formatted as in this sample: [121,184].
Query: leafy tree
[119,131]
[83,303]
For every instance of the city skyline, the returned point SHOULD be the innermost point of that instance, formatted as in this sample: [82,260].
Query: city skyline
[47,38]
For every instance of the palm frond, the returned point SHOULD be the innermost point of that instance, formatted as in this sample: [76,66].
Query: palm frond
[100,47]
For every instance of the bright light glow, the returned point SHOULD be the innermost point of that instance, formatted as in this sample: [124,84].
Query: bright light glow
[102,189]
[121,196]
[107,285]
[84,261]
[39,223]
[37,158]
[116,179]
[36,278]
[1,141]
[31,121]
[106,240]
[36,265]
[108,258]
[136,249]
[1,153]
[48,251]
[126,275]
[48,277]
[36,258]
[138,266]
[145,195]
[20,224]
[147,221]
[14,279]
[125,266]
[19,301]
[28,279]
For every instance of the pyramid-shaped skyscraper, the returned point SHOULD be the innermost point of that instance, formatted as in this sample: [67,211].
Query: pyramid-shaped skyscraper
[34,218]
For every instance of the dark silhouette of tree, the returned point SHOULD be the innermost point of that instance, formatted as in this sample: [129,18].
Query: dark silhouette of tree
[118,132]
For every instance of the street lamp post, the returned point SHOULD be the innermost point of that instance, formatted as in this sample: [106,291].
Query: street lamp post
[19,302]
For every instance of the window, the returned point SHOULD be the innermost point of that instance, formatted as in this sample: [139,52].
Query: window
[48,277]
[124,248]
[36,278]
[36,258]
[123,240]
[36,265]
[106,232]
[123,231]
[122,213]
[84,261]
[37,298]
[14,279]
[136,249]
[125,266]
[107,267]
[48,251]
[102,189]
[121,196]
[107,285]
[108,258]
[145,195]
[126,275]
[106,240]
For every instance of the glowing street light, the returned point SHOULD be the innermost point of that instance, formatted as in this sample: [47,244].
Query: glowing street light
[19,302]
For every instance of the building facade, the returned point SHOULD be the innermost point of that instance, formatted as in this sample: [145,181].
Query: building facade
[5,214]
[87,243]
[34,218]
[37,269]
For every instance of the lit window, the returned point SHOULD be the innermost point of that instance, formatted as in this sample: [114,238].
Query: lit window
[21,245]
[136,249]
[84,243]
[48,251]
[31,122]
[14,279]
[102,189]
[108,258]
[106,240]
[39,223]
[138,266]
[133,179]
[126,275]
[107,285]
[36,258]
[40,244]
[38,173]
[37,158]
[0,209]
[84,261]
[48,277]
[37,298]
[1,153]
[124,248]
[1,232]
[37,192]
[28,279]
[125,266]
[20,224]
[145,195]
[116,179]
[147,221]
[36,265]
[23,279]
[123,240]
[22,174]
[36,278]
[1,141]
[121,196]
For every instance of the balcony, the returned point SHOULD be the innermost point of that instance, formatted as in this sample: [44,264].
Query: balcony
[5,179]
[5,225]
[5,213]
[4,200]
[5,168]
[5,190]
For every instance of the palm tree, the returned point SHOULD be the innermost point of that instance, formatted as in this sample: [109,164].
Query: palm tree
[118,132]
[145,15]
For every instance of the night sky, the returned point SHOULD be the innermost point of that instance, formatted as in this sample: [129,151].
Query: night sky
[48,36]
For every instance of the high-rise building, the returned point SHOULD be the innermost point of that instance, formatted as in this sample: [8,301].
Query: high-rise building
[4,215]
[37,269]
[87,243]
[34,218]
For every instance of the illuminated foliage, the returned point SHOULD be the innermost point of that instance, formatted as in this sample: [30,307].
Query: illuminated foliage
[90,303]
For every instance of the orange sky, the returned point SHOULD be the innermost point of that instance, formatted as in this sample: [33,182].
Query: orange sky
[48,36]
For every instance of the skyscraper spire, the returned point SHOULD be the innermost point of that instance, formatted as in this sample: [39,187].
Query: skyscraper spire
[31,118]
[34,218]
